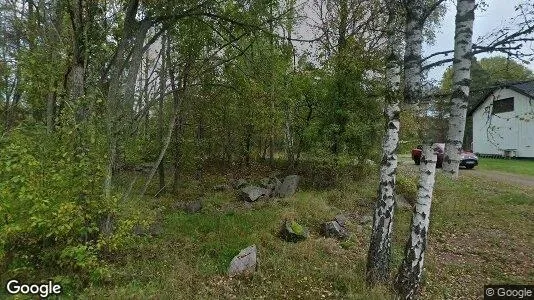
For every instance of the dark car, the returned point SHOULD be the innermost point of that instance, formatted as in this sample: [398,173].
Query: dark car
[469,160]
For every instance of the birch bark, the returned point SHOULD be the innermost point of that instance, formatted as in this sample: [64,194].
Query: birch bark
[465,16]
[378,257]
[412,52]
[409,275]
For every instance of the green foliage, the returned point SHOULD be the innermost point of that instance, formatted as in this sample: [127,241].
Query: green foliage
[51,204]
[489,71]
[407,187]
[409,135]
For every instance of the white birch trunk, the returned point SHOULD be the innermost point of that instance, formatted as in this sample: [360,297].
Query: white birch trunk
[378,258]
[412,52]
[465,16]
[409,275]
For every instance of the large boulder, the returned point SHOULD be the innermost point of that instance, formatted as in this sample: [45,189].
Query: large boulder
[253,193]
[288,186]
[293,232]
[271,184]
[244,263]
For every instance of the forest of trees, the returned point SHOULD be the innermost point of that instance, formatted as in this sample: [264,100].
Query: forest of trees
[93,90]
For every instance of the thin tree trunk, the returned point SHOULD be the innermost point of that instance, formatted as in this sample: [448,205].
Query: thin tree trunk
[465,16]
[408,279]
[162,152]
[378,257]
[162,84]
[51,110]
[113,107]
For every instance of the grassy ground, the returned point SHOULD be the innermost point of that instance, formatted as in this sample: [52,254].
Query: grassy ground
[480,234]
[517,166]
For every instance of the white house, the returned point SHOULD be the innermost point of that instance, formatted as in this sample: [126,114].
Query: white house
[503,121]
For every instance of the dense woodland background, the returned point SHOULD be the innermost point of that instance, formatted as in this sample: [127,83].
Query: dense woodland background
[108,103]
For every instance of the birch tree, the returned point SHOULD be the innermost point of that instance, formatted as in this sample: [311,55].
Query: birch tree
[408,278]
[378,257]
[407,281]
[461,80]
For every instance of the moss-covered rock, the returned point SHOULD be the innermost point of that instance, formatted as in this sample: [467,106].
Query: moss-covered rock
[293,231]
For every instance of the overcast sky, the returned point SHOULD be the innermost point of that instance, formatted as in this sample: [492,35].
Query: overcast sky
[495,15]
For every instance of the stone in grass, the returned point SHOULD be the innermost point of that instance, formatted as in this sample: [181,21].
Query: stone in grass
[253,193]
[288,186]
[341,219]
[293,231]
[274,186]
[244,263]
[335,230]
[193,207]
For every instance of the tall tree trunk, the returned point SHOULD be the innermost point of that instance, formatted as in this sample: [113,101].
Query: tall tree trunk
[162,89]
[177,96]
[76,76]
[412,52]
[409,275]
[465,16]
[378,257]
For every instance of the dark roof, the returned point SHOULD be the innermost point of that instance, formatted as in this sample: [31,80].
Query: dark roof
[524,87]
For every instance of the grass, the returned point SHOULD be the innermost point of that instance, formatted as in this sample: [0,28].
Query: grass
[480,234]
[517,166]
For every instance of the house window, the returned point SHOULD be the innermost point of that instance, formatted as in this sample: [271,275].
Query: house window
[503,105]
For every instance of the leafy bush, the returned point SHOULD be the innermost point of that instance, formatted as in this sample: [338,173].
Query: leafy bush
[51,191]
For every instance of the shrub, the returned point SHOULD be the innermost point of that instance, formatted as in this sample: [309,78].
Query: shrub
[51,205]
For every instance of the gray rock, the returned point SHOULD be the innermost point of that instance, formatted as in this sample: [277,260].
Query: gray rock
[193,207]
[366,219]
[244,263]
[253,193]
[293,232]
[341,219]
[222,187]
[335,230]
[288,187]
[401,202]
[274,186]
